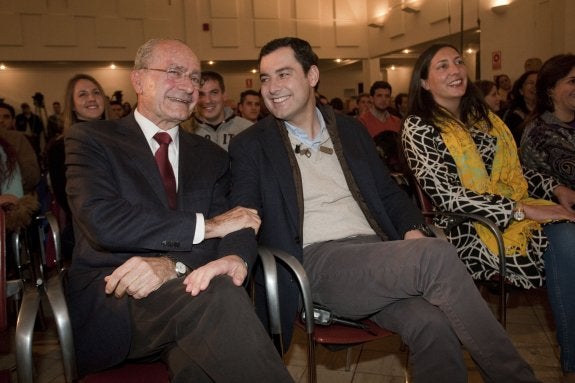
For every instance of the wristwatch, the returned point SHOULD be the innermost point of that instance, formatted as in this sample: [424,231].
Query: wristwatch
[180,268]
[518,212]
[424,229]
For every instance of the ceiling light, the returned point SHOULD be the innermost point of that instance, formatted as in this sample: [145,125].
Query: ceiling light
[500,9]
[2,67]
[406,51]
[409,8]
[112,66]
[211,62]
[376,22]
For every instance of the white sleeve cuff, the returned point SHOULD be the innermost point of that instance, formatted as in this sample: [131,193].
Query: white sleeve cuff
[200,233]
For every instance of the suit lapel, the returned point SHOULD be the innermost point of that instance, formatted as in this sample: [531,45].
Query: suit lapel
[273,147]
[138,149]
[188,168]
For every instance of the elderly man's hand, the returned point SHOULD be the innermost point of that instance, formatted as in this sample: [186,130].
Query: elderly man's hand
[233,220]
[140,276]
[231,265]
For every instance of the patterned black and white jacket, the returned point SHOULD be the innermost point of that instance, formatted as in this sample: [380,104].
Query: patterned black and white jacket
[434,169]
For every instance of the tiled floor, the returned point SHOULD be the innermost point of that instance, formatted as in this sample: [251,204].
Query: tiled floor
[529,325]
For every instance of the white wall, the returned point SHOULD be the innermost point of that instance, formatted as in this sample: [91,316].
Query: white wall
[18,85]
[72,34]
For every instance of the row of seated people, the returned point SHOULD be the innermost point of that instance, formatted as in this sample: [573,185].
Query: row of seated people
[466,160]
[323,195]
[140,234]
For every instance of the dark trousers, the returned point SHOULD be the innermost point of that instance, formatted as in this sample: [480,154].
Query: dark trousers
[420,289]
[213,337]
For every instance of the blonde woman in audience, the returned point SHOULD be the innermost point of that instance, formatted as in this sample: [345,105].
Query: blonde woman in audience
[465,159]
[84,101]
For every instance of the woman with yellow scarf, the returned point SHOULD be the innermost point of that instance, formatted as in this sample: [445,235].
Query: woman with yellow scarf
[465,159]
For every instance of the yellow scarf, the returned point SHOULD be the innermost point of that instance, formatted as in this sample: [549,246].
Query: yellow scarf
[506,178]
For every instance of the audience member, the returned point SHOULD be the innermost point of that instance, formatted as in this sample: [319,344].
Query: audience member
[213,120]
[249,105]
[377,118]
[363,103]
[10,178]
[504,85]
[465,159]
[490,95]
[337,104]
[31,125]
[55,123]
[326,198]
[522,102]
[127,108]
[84,100]
[548,143]
[400,103]
[322,99]
[130,290]
[116,110]
[533,63]
[25,154]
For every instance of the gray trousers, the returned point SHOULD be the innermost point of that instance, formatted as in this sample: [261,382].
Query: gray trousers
[421,290]
[213,337]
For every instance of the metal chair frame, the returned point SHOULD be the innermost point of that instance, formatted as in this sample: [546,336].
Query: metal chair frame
[53,290]
[268,257]
[429,210]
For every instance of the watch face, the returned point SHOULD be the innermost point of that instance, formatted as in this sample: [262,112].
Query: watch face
[181,268]
[519,215]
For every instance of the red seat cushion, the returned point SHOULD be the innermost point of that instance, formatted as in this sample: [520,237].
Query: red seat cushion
[131,373]
[340,334]
[5,376]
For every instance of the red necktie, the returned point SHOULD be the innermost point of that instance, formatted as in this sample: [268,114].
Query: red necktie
[165,167]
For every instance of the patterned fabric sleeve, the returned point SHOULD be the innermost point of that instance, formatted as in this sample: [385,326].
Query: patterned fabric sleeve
[547,150]
[436,172]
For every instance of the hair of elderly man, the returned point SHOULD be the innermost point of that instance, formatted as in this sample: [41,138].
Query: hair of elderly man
[144,53]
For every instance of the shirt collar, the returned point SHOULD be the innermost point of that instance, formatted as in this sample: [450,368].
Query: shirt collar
[302,136]
[150,129]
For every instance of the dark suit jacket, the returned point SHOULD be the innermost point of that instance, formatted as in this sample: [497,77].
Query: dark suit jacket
[120,210]
[265,176]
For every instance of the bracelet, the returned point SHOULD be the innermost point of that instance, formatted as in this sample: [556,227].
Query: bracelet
[424,228]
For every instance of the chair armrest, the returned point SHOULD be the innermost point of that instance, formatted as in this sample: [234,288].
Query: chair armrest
[489,224]
[269,256]
[57,298]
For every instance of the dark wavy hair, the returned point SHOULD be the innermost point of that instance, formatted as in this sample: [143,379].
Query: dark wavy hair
[303,51]
[553,70]
[517,99]
[7,167]
[422,104]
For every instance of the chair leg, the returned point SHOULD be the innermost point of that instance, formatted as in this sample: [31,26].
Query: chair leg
[24,334]
[348,358]
[57,299]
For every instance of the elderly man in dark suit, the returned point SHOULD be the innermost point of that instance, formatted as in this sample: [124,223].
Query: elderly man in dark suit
[160,259]
[325,197]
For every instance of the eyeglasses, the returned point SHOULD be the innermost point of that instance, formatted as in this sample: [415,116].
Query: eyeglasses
[178,76]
